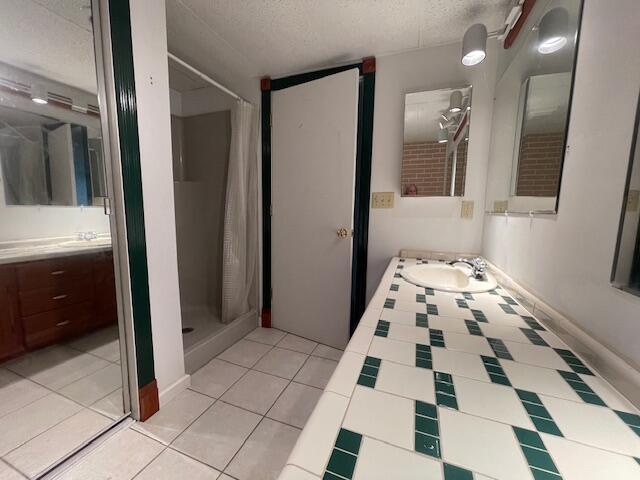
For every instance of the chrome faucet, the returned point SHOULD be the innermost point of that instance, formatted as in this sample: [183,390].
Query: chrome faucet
[478,266]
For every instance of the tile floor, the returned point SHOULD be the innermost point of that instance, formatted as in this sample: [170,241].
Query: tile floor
[55,399]
[239,419]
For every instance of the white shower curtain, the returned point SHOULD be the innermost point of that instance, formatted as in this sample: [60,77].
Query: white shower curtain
[240,243]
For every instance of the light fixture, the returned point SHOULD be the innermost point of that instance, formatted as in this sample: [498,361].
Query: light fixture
[39,94]
[474,45]
[552,31]
[443,136]
[455,101]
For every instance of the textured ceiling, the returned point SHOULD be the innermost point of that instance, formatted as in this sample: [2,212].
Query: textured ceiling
[271,37]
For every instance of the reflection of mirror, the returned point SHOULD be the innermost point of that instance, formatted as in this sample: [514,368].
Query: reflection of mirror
[531,112]
[626,268]
[434,155]
[48,162]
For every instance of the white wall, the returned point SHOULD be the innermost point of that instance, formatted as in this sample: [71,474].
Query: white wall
[427,223]
[566,259]
[149,37]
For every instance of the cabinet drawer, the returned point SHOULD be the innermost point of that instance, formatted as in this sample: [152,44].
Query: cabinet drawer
[56,325]
[70,292]
[53,272]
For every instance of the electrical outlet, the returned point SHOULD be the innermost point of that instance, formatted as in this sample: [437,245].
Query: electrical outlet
[382,200]
[466,210]
[633,200]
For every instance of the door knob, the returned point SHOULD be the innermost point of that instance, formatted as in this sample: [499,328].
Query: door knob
[342,233]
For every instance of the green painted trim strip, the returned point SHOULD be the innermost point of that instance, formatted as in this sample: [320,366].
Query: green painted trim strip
[132,185]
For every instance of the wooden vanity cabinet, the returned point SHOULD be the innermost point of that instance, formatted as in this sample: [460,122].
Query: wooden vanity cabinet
[11,342]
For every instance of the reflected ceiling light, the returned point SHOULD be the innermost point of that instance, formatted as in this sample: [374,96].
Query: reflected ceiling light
[443,136]
[455,101]
[474,45]
[441,125]
[39,94]
[552,31]
[444,117]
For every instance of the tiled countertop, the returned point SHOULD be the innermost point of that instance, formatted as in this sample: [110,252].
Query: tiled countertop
[30,252]
[436,385]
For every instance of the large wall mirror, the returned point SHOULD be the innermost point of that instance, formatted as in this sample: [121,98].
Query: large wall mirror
[531,112]
[434,150]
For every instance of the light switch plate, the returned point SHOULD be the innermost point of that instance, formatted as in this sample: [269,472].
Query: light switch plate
[382,200]
[466,210]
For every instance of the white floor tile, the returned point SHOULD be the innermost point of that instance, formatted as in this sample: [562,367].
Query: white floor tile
[593,425]
[536,355]
[481,445]
[121,457]
[393,350]
[217,435]
[491,401]
[265,452]
[95,386]
[103,343]
[269,336]
[459,363]
[112,405]
[174,417]
[316,441]
[538,379]
[346,374]
[47,448]
[245,353]
[408,333]
[380,415]
[581,462]
[172,465]
[467,343]
[299,344]
[8,473]
[281,362]
[295,404]
[381,461]
[316,372]
[325,351]
[33,419]
[256,391]
[216,377]
[18,393]
[410,382]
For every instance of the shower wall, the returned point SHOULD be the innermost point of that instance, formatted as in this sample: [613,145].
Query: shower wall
[200,161]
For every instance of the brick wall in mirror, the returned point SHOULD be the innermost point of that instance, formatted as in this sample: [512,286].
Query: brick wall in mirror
[532,110]
[434,150]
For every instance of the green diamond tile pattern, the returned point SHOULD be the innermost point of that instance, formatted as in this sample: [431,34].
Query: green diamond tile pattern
[421,298]
[394,287]
[474,328]
[389,303]
[509,300]
[462,303]
[445,390]
[451,472]
[495,371]
[343,458]
[534,450]
[423,356]
[467,296]
[583,390]
[493,292]
[397,275]
[499,348]
[369,373]
[432,309]
[574,362]
[429,291]
[479,316]
[427,430]
[382,329]
[507,308]
[538,413]
[631,419]
[532,322]
[436,338]
[422,320]
[534,337]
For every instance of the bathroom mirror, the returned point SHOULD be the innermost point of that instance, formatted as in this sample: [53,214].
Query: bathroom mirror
[435,142]
[531,111]
[626,265]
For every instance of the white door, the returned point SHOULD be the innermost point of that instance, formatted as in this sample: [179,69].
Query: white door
[63,178]
[313,145]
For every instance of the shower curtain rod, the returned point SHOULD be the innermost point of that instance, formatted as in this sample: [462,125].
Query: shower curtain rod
[205,77]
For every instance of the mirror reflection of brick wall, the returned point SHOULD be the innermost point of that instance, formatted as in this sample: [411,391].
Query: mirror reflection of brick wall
[424,165]
[539,164]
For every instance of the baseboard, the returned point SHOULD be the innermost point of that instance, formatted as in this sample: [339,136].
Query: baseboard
[149,400]
[615,369]
[173,390]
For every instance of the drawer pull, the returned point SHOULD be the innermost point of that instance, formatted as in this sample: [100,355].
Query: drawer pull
[57,272]
[59,297]
[63,323]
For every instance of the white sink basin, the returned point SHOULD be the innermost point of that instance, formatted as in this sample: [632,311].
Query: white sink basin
[447,278]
